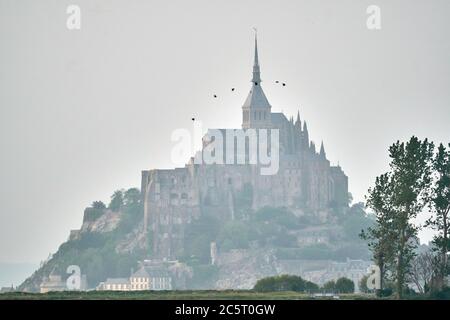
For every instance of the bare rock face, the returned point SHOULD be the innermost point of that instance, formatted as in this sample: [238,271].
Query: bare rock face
[242,268]
[134,239]
[105,222]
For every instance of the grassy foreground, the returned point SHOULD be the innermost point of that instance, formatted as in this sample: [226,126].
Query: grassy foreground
[174,295]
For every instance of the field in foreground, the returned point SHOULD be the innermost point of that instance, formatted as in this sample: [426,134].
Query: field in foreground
[174,295]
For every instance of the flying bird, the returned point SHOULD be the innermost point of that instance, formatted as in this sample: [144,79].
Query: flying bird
[215,96]
[193,119]
[232,89]
[284,84]
[277,81]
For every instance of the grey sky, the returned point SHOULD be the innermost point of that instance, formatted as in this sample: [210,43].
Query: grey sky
[83,112]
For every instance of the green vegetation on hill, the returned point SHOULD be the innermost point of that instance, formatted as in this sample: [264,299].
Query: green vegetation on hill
[96,252]
[277,227]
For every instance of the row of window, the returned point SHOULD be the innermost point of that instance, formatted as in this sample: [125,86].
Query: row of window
[257,115]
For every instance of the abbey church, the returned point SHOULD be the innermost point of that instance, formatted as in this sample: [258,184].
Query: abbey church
[305,182]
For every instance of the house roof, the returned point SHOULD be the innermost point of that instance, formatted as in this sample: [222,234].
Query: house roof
[150,272]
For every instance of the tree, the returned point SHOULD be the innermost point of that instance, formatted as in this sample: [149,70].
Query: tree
[344,285]
[98,205]
[329,286]
[411,173]
[116,201]
[355,221]
[284,283]
[422,271]
[363,284]
[381,236]
[439,203]
[131,197]
[397,198]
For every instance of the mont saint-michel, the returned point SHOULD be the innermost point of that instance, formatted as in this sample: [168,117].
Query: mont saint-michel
[222,225]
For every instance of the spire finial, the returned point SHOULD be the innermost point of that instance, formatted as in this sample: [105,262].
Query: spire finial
[256,46]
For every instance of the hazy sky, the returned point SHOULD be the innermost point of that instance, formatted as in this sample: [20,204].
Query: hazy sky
[83,112]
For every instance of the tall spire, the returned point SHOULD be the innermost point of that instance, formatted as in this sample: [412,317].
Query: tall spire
[256,71]
[256,108]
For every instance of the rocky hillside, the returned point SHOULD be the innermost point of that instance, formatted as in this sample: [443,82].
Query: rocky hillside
[108,244]
[255,244]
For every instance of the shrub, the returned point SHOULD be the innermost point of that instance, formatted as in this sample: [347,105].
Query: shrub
[284,283]
[344,285]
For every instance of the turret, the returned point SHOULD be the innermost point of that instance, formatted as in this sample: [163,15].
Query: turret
[322,151]
[312,146]
[298,122]
[305,134]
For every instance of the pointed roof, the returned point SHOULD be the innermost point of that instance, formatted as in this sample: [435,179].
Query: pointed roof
[256,98]
[298,122]
[322,150]
[305,127]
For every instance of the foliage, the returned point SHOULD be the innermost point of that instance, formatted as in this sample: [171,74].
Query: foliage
[439,203]
[234,234]
[345,285]
[341,285]
[443,294]
[329,285]
[285,283]
[132,211]
[397,197]
[355,221]
[98,205]
[363,284]
[198,236]
[243,201]
[116,201]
